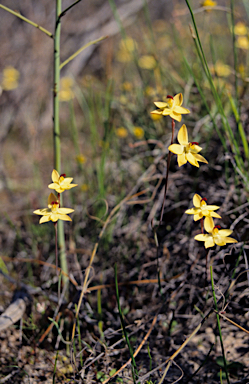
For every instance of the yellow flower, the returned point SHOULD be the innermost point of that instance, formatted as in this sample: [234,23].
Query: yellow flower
[84,187]
[215,235]
[147,62]
[126,47]
[66,89]
[53,212]
[121,132]
[202,209]
[81,159]
[208,3]
[138,132]
[222,69]
[127,86]
[10,78]
[240,29]
[171,107]
[61,182]
[242,42]
[186,151]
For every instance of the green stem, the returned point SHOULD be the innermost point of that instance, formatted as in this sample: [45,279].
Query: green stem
[133,363]
[17,14]
[218,322]
[57,140]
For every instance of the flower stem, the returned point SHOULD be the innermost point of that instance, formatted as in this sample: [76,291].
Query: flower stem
[167,171]
[57,139]
[56,247]
[218,323]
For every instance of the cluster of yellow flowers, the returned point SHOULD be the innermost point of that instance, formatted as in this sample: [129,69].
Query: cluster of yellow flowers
[189,152]
[54,212]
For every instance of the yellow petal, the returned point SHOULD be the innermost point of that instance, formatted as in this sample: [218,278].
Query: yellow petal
[214,214]
[211,207]
[182,136]
[175,116]
[65,210]
[209,242]
[191,211]
[231,240]
[55,176]
[181,110]
[160,104]
[181,159]
[64,217]
[44,219]
[166,112]
[195,148]
[176,149]
[191,158]
[178,99]
[200,158]
[198,216]
[157,112]
[208,224]
[51,198]
[220,241]
[225,232]
[54,217]
[197,200]
[202,237]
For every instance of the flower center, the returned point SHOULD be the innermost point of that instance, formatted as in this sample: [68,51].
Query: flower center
[203,201]
[55,206]
[170,101]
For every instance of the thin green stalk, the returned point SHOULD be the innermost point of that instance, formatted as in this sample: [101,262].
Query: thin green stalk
[81,50]
[240,126]
[219,327]
[55,364]
[57,139]
[235,56]
[134,367]
[17,14]
[79,339]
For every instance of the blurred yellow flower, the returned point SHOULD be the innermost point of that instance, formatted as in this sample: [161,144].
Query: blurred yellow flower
[202,209]
[61,183]
[242,70]
[121,132]
[10,78]
[240,29]
[127,86]
[172,107]
[150,91]
[53,212]
[126,47]
[147,62]
[242,42]
[123,99]
[208,3]
[84,187]
[215,234]
[186,151]
[222,69]
[81,159]
[138,132]
[66,89]
[156,117]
